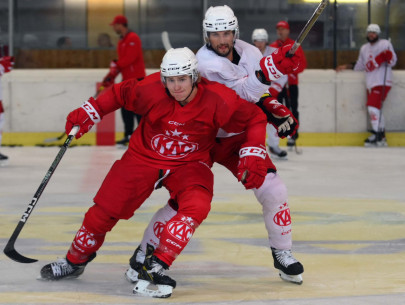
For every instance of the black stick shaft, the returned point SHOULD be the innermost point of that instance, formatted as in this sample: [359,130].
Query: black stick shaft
[308,26]
[9,250]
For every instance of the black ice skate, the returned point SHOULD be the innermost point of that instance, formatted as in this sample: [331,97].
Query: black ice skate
[124,141]
[3,160]
[376,139]
[278,152]
[153,274]
[289,268]
[63,269]
[136,263]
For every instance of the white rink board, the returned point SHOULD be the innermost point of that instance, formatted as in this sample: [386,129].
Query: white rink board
[39,100]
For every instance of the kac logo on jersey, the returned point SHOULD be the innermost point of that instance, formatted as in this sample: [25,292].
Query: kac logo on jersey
[173,146]
[180,230]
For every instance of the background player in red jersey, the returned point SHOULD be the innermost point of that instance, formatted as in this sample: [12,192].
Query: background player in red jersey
[289,94]
[6,65]
[130,64]
[171,147]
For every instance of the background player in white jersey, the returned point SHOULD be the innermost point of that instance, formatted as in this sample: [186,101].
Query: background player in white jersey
[240,66]
[377,57]
[6,65]
[260,39]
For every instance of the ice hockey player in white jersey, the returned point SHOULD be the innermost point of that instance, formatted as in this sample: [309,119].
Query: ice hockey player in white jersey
[376,58]
[260,39]
[240,66]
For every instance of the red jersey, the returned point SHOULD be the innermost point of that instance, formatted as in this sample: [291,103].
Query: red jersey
[171,135]
[130,57]
[293,77]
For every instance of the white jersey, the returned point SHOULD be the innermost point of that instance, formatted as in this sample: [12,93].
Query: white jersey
[368,52]
[279,84]
[240,77]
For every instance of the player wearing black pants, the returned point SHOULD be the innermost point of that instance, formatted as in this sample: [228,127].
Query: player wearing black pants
[289,97]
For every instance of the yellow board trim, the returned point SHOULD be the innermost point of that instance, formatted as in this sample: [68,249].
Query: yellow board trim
[305,139]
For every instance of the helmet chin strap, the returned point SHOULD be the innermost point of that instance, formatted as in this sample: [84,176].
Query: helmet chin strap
[192,88]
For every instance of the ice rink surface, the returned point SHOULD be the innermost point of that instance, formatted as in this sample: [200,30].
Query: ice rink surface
[348,212]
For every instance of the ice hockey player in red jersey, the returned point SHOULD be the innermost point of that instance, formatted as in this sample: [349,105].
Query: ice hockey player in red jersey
[6,65]
[289,92]
[241,67]
[181,118]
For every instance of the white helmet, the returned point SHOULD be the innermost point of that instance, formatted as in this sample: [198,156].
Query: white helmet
[373,28]
[260,35]
[220,18]
[181,61]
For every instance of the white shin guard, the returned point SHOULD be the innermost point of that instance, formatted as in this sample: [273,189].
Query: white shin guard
[155,227]
[273,197]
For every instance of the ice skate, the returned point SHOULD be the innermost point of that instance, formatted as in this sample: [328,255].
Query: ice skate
[376,139]
[63,269]
[3,160]
[289,268]
[290,143]
[124,141]
[136,262]
[279,153]
[152,281]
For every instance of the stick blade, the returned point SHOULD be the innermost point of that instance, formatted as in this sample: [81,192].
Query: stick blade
[15,256]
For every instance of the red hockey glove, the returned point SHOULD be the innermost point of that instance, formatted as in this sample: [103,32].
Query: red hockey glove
[278,115]
[6,64]
[85,117]
[112,74]
[251,168]
[384,56]
[277,64]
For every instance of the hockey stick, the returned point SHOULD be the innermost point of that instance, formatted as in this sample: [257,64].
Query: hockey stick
[166,41]
[55,139]
[9,250]
[318,11]
[304,32]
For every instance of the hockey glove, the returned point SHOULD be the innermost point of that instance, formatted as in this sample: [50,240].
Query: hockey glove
[112,74]
[6,64]
[251,168]
[384,56]
[277,64]
[278,115]
[85,117]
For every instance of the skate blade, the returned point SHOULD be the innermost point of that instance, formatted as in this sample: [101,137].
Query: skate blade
[382,144]
[160,291]
[277,157]
[295,279]
[45,279]
[131,276]
[370,145]
[3,163]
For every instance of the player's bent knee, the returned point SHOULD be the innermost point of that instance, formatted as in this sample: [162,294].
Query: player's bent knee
[195,202]
[98,221]
[273,191]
